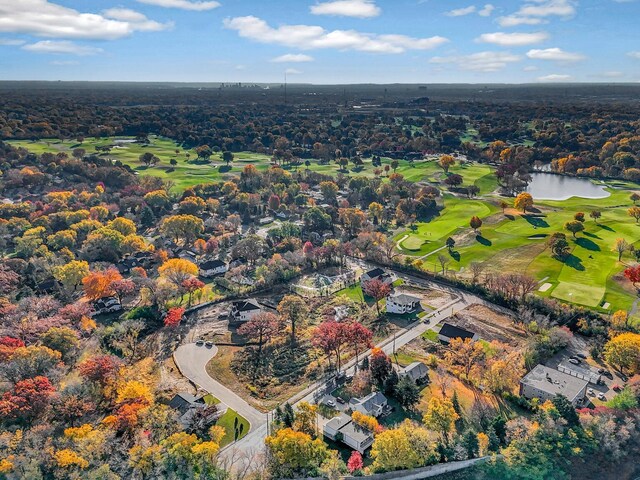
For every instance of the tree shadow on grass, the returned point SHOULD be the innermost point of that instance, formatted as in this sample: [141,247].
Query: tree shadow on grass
[484,241]
[455,255]
[537,222]
[590,235]
[224,168]
[607,228]
[574,262]
[509,216]
[588,244]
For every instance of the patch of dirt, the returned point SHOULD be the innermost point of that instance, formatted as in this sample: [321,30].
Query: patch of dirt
[434,298]
[489,324]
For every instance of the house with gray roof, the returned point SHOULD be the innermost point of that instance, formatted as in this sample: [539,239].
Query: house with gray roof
[343,429]
[401,303]
[416,371]
[373,404]
[545,383]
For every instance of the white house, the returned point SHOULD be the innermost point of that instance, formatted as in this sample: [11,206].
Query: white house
[376,274]
[373,404]
[342,429]
[244,310]
[211,268]
[545,383]
[401,303]
[416,371]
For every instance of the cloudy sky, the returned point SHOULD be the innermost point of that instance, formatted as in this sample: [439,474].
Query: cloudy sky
[321,41]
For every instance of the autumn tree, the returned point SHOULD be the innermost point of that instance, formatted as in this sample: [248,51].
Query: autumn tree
[331,337]
[177,270]
[475,223]
[633,274]
[523,201]
[441,417]
[100,368]
[28,398]
[293,454]
[261,329]
[595,214]
[620,246]
[355,463]
[359,337]
[560,248]
[376,289]
[100,284]
[329,191]
[623,351]
[406,446]
[293,309]
[446,162]
[182,227]
[192,285]
[464,356]
[173,317]
[574,226]
[380,366]
[72,273]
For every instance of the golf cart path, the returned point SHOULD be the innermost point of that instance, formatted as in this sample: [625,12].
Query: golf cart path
[192,360]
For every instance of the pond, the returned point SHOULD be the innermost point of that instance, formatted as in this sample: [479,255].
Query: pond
[547,186]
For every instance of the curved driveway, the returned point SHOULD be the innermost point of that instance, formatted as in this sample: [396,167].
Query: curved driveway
[192,360]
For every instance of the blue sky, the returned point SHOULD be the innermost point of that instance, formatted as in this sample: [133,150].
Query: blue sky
[321,41]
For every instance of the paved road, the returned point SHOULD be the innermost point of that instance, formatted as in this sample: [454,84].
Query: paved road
[192,361]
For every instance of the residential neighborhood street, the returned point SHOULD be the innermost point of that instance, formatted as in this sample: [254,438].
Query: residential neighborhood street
[192,360]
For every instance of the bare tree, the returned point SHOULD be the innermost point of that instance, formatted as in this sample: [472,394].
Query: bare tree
[476,270]
[443,262]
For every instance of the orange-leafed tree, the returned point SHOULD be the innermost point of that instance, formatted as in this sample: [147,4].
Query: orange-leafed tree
[99,284]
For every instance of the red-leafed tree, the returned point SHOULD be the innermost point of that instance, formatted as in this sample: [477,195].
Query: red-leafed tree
[7,346]
[378,290]
[633,274]
[123,288]
[101,368]
[274,202]
[28,398]
[192,285]
[358,337]
[355,464]
[173,317]
[331,337]
[261,329]
[9,280]
[380,366]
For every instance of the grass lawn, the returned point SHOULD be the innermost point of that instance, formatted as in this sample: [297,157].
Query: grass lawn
[353,292]
[232,421]
[430,335]
[211,400]
[513,242]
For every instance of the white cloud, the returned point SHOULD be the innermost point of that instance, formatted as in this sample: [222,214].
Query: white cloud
[45,19]
[555,77]
[530,68]
[515,20]
[513,39]
[534,12]
[183,4]
[10,42]
[487,10]
[347,8]
[64,63]
[480,62]
[124,15]
[635,55]
[61,46]
[292,71]
[460,12]
[293,58]
[555,55]
[309,37]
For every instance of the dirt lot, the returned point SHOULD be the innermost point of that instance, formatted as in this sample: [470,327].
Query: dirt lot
[433,298]
[489,324]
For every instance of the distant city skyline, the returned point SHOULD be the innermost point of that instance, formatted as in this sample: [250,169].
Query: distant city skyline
[321,41]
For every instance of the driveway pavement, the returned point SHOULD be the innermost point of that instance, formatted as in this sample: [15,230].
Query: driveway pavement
[192,360]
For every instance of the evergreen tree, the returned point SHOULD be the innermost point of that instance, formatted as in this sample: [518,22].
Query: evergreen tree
[147,218]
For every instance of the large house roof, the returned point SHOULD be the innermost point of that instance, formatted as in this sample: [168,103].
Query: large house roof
[246,305]
[415,371]
[403,298]
[451,331]
[375,273]
[554,382]
[211,264]
[370,401]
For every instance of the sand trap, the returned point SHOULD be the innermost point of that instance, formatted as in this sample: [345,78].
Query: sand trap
[545,287]
[606,306]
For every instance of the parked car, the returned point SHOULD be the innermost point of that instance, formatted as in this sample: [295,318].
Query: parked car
[601,397]
[574,361]
[330,403]
[616,388]
[574,357]
[208,344]
[591,392]
[581,355]
[340,400]
[199,342]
